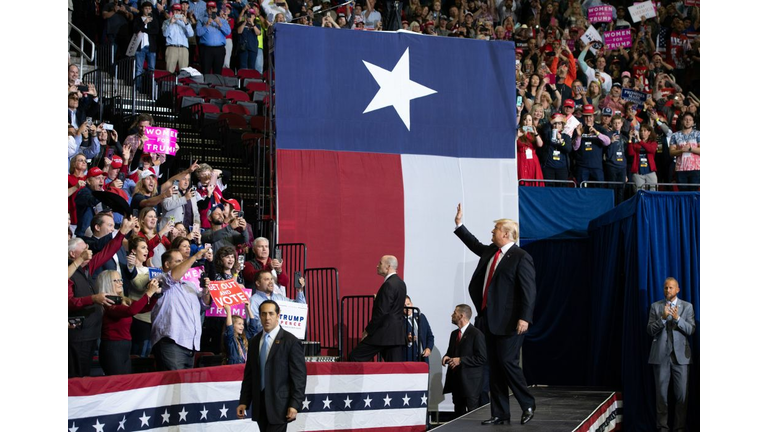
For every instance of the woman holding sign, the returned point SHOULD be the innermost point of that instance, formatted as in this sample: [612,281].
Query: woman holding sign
[236,335]
[224,262]
[115,346]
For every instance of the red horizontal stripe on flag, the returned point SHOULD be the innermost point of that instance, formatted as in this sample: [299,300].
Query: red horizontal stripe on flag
[347,207]
[98,385]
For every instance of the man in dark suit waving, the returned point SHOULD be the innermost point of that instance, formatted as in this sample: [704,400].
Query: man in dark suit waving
[275,374]
[670,322]
[385,333]
[503,289]
[465,359]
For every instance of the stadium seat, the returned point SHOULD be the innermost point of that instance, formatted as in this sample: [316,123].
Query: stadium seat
[234,108]
[210,93]
[237,95]
[227,72]
[248,73]
[259,123]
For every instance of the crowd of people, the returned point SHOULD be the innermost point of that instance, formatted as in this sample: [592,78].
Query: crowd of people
[584,112]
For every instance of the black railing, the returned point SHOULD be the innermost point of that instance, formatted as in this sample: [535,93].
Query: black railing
[356,312]
[322,292]
[294,260]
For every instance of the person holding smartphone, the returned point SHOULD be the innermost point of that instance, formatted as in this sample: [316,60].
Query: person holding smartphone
[115,345]
[528,141]
[251,42]
[557,147]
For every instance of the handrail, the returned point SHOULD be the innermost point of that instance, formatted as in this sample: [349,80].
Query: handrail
[80,50]
[680,186]
[569,182]
[586,184]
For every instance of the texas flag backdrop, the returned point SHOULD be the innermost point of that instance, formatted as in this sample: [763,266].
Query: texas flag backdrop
[379,136]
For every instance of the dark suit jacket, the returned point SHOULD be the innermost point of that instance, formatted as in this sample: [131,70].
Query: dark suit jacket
[512,292]
[466,379]
[660,347]
[386,325]
[286,377]
[425,338]
[152,29]
[96,245]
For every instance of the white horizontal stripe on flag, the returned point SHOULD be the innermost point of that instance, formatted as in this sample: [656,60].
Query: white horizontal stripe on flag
[365,383]
[150,397]
[359,419]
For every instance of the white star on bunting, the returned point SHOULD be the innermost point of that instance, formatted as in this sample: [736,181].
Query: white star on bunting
[144,419]
[204,413]
[305,404]
[73,428]
[166,416]
[347,402]
[396,88]
[367,401]
[182,415]
[223,411]
[424,399]
[327,403]
[99,426]
[386,400]
[406,399]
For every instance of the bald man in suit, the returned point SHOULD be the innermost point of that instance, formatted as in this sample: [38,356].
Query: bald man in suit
[671,321]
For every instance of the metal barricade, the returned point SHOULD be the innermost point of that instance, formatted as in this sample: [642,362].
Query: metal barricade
[356,312]
[680,186]
[294,259]
[322,292]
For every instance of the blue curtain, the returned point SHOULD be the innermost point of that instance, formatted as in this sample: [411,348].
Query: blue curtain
[633,249]
[550,213]
[555,351]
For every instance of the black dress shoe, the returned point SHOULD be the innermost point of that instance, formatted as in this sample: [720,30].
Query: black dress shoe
[495,421]
[527,415]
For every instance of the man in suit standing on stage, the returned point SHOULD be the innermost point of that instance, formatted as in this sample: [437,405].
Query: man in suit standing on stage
[385,333]
[275,374]
[670,322]
[465,359]
[503,289]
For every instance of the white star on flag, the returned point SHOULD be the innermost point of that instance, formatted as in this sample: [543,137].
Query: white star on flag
[327,403]
[73,428]
[347,402]
[386,400]
[204,413]
[406,399]
[99,426]
[396,88]
[305,404]
[122,424]
[223,411]
[183,414]
[166,416]
[367,401]
[144,419]
[424,399]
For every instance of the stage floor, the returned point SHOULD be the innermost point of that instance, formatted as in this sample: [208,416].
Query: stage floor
[558,409]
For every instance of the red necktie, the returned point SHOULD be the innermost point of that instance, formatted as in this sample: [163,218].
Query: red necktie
[458,337]
[490,276]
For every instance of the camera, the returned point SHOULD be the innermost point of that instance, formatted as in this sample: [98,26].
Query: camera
[115,299]
[108,126]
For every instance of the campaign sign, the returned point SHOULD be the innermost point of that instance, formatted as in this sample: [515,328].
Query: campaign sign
[154,272]
[618,38]
[293,318]
[634,96]
[193,276]
[598,14]
[570,125]
[160,140]
[227,292]
[592,35]
[238,309]
[645,9]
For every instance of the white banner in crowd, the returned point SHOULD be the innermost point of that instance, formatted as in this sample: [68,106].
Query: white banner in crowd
[644,9]
[293,318]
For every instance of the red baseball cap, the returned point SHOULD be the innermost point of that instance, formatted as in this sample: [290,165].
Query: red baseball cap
[117,162]
[588,110]
[211,4]
[177,6]
[95,172]
[569,103]
[233,202]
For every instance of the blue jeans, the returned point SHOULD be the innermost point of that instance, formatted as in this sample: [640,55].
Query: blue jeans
[252,60]
[151,57]
[171,356]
